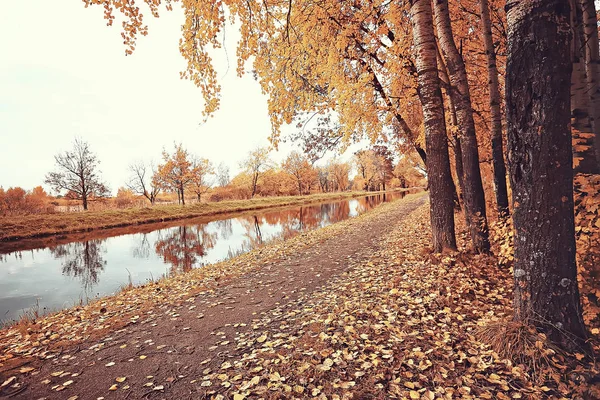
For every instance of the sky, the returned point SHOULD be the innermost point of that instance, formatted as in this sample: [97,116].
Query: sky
[64,74]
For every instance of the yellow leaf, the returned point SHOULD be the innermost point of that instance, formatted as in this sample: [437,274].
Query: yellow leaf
[226,365]
[121,379]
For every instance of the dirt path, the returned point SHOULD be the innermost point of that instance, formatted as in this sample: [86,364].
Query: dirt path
[164,354]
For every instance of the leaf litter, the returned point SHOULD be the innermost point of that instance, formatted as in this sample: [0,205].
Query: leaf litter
[403,324]
[406,325]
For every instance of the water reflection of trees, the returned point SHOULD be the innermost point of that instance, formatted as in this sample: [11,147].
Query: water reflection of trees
[142,248]
[18,255]
[184,245]
[291,222]
[225,228]
[82,260]
[306,218]
[254,236]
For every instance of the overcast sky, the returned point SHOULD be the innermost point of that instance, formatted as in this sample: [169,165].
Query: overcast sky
[64,73]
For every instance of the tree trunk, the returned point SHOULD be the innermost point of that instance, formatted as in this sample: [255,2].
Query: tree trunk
[474,198]
[538,76]
[592,68]
[182,194]
[438,161]
[582,131]
[85,201]
[500,188]
[458,198]
[254,183]
[458,165]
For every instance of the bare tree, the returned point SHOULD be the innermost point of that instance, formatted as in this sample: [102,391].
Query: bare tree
[143,183]
[223,174]
[78,173]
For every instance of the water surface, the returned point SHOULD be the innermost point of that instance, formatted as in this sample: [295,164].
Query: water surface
[61,271]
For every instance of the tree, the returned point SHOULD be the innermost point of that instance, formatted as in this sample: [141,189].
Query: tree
[223,174]
[339,173]
[255,164]
[365,161]
[299,167]
[384,164]
[371,52]
[324,179]
[14,200]
[592,68]
[438,161]
[78,173]
[276,182]
[199,182]
[176,172]
[125,198]
[460,93]
[499,166]
[141,183]
[409,171]
[540,165]
[583,133]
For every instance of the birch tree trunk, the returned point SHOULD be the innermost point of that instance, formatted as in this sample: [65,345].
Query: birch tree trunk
[438,161]
[592,69]
[500,188]
[474,198]
[538,77]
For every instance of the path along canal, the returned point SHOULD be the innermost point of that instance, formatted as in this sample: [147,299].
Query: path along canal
[49,274]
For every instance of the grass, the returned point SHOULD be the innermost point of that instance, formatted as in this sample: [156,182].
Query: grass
[40,225]
[519,343]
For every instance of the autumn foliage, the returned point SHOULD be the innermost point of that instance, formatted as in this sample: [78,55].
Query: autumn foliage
[16,201]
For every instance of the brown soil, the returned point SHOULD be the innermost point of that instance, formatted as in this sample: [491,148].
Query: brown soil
[171,345]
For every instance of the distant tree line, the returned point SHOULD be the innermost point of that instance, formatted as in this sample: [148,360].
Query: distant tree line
[182,176]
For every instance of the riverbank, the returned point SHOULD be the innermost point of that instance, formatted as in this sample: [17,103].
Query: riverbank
[34,226]
[359,309]
[34,339]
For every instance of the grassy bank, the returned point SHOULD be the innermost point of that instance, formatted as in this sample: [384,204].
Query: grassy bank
[31,226]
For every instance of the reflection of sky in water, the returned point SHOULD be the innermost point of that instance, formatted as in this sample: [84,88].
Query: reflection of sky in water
[64,275]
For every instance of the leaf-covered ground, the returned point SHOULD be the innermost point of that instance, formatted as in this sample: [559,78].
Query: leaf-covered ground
[357,310]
